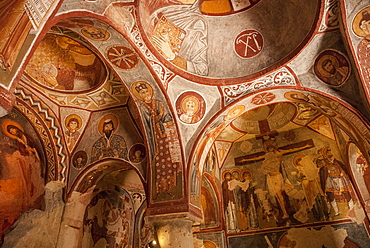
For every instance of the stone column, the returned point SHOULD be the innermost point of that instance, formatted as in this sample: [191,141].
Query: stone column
[172,232]
[71,230]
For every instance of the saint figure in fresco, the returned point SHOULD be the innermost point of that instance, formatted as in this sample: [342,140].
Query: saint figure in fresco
[249,200]
[240,201]
[331,72]
[79,159]
[109,144]
[190,107]
[313,196]
[334,180]
[361,26]
[305,112]
[180,35]
[332,67]
[25,143]
[138,156]
[73,123]
[162,137]
[229,202]
[21,181]
[208,208]
[235,187]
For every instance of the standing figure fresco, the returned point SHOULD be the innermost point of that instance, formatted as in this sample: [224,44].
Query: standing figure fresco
[249,200]
[334,180]
[208,208]
[359,166]
[190,107]
[109,144]
[235,187]
[180,35]
[361,27]
[240,201]
[21,180]
[162,138]
[73,123]
[229,202]
[332,67]
[314,198]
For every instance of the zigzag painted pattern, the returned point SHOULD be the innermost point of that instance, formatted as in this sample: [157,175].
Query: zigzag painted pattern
[51,122]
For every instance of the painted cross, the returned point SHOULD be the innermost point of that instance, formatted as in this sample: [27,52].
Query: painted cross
[287,149]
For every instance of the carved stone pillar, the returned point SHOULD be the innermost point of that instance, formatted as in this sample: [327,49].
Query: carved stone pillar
[71,230]
[172,232]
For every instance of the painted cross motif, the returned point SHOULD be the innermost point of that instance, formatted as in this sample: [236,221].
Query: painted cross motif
[123,57]
[248,43]
[263,98]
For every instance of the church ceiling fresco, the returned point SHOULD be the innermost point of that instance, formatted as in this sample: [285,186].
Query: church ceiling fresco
[61,63]
[154,88]
[170,28]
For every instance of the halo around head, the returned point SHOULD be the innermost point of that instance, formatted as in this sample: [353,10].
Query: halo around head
[324,151]
[107,118]
[225,172]
[138,86]
[77,117]
[356,22]
[246,171]
[234,112]
[5,125]
[295,96]
[187,99]
[321,61]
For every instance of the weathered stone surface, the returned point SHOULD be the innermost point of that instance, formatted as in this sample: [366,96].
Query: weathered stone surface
[174,233]
[38,228]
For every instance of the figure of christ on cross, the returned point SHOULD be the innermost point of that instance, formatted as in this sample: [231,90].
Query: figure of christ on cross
[271,167]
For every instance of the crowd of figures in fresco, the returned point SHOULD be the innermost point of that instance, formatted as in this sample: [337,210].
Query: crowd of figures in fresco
[317,189]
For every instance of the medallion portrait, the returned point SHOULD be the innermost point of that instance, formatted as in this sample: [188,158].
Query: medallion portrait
[190,107]
[332,67]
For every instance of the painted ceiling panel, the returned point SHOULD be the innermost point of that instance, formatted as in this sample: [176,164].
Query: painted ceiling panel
[259,39]
[64,64]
